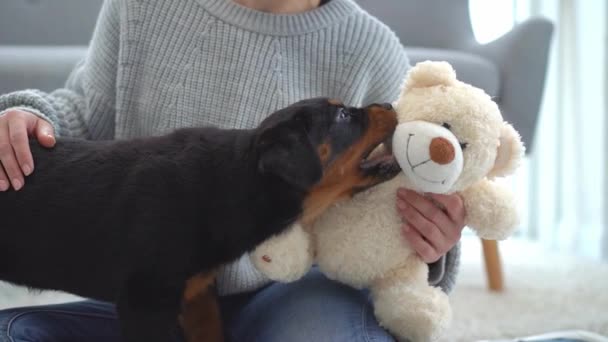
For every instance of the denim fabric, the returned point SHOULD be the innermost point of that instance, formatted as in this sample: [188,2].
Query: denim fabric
[311,309]
[85,321]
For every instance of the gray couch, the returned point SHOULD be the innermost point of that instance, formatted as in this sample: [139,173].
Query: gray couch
[511,68]
[42,40]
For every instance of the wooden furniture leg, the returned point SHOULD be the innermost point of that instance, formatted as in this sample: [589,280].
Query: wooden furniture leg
[493,266]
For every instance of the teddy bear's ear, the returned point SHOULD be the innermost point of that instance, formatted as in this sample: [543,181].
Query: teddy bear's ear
[510,152]
[430,74]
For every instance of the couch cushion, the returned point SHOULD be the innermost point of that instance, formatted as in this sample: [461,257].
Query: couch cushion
[470,68]
[48,22]
[44,68]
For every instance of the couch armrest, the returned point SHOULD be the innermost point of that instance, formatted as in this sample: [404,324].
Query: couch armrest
[522,58]
[39,67]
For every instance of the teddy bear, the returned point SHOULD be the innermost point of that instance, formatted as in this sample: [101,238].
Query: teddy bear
[451,138]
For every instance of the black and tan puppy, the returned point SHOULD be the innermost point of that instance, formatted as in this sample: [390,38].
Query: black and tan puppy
[145,222]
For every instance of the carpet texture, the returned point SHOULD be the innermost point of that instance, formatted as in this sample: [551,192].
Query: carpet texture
[544,292]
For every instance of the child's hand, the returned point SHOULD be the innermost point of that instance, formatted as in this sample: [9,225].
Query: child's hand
[431,231]
[15,156]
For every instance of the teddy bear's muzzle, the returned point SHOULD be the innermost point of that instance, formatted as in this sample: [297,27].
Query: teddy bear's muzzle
[430,156]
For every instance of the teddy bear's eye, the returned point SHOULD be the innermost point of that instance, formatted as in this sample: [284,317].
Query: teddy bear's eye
[446,125]
[463,145]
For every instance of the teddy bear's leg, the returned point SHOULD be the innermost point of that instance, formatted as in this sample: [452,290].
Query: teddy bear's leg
[408,307]
[285,257]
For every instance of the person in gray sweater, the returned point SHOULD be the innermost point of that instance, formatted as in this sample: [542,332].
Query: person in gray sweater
[156,65]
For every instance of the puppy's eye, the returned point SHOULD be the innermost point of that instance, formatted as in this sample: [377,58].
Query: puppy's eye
[446,125]
[343,115]
[464,145]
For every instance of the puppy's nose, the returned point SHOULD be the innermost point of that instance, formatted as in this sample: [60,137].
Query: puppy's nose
[386,106]
[442,151]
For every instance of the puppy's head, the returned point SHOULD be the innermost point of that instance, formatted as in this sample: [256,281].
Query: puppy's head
[321,147]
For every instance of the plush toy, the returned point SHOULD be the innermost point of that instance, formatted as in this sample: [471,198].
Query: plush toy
[451,138]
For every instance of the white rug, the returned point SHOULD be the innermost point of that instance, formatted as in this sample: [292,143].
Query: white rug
[544,293]
[13,296]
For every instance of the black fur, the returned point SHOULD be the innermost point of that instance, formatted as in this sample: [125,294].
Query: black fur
[130,221]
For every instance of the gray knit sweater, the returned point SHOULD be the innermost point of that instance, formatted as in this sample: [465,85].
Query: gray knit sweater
[155,65]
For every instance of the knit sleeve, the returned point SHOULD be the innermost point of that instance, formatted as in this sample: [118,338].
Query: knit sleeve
[387,73]
[240,276]
[378,64]
[443,272]
[84,107]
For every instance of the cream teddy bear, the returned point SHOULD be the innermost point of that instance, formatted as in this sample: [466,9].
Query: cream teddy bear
[451,138]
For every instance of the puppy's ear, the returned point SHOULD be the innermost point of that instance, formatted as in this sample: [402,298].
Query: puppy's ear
[286,152]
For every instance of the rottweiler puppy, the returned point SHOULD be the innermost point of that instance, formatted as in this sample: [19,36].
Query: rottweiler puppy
[145,222]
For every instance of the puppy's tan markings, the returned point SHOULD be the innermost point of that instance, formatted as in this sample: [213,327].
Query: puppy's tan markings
[200,318]
[343,176]
[324,152]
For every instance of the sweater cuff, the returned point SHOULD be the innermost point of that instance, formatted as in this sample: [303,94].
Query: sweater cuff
[240,276]
[443,272]
[30,101]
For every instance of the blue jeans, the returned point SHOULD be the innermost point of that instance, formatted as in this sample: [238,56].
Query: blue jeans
[311,309]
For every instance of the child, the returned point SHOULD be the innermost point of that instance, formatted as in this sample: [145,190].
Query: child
[155,65]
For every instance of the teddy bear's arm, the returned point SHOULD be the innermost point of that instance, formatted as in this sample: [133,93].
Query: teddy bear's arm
[285,257]
[491,210]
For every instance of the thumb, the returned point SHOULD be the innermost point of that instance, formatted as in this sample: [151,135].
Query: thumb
[45,133]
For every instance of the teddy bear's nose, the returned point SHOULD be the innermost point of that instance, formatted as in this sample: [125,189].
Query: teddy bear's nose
[442,151]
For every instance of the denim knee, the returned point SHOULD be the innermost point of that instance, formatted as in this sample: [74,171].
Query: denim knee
[311,309]
[79,321]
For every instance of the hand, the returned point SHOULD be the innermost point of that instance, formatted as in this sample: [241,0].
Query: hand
[432,225]
[16,159]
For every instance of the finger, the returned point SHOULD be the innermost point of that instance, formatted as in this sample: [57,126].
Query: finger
[17,132]
[422,247]
[454,208]
[402,193]
[8,160]
[4,184]
[426,228]
[453,204]
[428,209]
[45,133]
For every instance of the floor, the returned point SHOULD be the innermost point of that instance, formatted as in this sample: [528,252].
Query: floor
[544,292]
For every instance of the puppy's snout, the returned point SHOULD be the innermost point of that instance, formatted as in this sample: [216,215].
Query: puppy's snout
[386,106]
[441,151]
[382,117]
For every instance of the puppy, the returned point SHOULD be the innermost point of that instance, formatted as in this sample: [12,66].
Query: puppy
[145,222]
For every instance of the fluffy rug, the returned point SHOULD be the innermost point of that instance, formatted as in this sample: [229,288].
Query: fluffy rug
[544,292]
[13,296]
